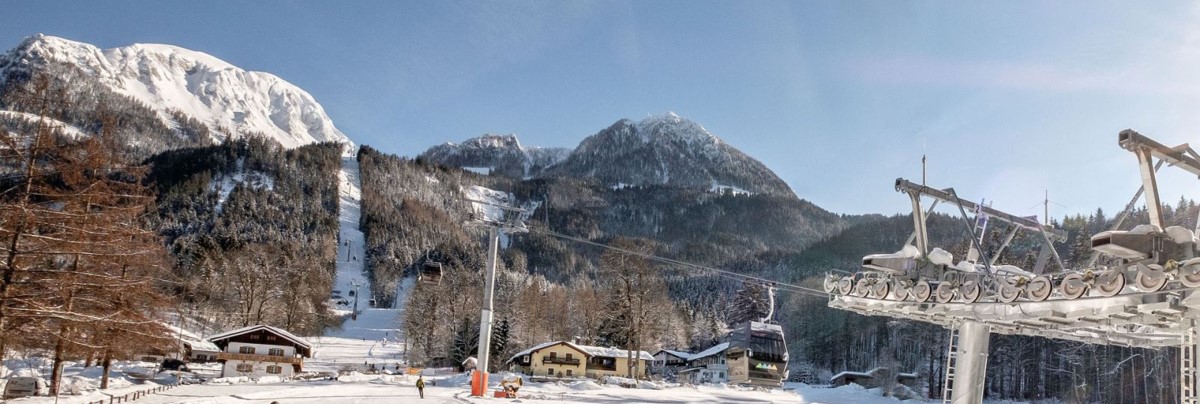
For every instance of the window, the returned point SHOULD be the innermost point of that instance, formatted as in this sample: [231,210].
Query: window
[275,352]
[550,372]
[568,356]
[721,375]
[568,372]
[270,338]
[525,359]
[245,368]
[272,369]
[201,358]
[553,355]
[255,336]
[246,350]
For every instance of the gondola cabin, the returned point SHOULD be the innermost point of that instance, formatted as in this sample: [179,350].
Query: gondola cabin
[757,355]
[431,273]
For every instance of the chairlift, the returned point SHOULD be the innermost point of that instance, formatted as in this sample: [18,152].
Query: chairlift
[372,302]
[431,273]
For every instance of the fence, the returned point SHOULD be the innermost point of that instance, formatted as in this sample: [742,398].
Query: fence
[134,395]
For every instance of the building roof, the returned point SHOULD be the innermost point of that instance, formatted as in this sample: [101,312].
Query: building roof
[715,349]
[872,373]
[614,352]
[277,331]
[677,354]
[586,350]
[854,374]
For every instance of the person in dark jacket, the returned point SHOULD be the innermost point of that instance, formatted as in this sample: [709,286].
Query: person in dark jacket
[421,386]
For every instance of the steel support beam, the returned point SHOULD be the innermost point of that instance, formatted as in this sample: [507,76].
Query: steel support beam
[903,185]
[971,367]
[922,235]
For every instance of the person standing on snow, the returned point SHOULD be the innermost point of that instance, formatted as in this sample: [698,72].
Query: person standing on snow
[421,386]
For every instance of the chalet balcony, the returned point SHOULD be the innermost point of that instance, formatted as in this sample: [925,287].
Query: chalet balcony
[560,361]
[259,358]
[597,366]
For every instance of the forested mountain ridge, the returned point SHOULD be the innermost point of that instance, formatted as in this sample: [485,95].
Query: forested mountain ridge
[665,150]
[498,154]
[165,97]
[253,230]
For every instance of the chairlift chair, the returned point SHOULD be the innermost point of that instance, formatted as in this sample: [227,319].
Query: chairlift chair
[430,273]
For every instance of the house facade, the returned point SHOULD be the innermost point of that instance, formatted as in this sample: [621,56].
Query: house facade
[260,350]
[561,359]
[708,366]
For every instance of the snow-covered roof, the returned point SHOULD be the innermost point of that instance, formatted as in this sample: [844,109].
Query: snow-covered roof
[677,354]
[872,373]
[757,326]
[715,349]
[855,374]
[277,331]
[190,338]
[613,352]
[587,350]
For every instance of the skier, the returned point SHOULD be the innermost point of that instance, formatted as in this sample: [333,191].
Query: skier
[421,386]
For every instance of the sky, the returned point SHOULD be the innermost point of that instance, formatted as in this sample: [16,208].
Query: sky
[1008,100]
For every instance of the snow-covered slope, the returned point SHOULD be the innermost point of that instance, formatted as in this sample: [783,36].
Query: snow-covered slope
[496,154]
[668,150]
[164,77]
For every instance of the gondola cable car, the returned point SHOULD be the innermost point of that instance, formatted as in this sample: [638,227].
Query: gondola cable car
[430,273]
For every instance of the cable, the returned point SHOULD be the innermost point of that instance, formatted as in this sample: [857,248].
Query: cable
[719,272]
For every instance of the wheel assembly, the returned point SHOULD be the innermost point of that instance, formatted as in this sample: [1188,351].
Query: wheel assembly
[831,283]
[880,289]
[845,285]
[900,289]
[861,288]
[922,291]
[1008,292]
[970,291]
[1110,282]
[1073,286]
[1150,280]
[1189,275]
[1039,289]
[944,292]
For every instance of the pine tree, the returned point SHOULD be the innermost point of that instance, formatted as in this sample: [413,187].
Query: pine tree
[750,303]
[466,341]
[499,345]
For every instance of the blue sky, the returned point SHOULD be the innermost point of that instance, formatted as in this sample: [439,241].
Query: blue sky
[839,98]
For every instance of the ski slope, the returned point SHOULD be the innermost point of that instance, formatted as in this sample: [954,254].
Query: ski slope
[372,337]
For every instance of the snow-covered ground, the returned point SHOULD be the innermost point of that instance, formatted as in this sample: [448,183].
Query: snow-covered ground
[453,388]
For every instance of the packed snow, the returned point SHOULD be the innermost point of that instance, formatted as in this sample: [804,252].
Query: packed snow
[28,118]
[224,184]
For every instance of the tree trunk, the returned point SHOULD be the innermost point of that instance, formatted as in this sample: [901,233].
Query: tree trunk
[56,372]
[107,364]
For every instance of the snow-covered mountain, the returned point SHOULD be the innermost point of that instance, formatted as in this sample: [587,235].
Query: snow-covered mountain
[496,154]
[181,84]
[669,150]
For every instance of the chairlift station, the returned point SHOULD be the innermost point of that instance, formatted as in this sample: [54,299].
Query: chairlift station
[1147,299]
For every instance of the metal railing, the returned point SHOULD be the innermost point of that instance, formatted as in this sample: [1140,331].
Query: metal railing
[560,361]
[259,358]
